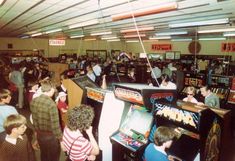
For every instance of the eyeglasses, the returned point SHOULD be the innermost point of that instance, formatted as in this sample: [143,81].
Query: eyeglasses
[189,94]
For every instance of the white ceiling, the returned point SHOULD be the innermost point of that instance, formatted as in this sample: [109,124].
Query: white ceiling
[26,17]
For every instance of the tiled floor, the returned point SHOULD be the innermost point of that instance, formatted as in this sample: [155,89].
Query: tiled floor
[230,149]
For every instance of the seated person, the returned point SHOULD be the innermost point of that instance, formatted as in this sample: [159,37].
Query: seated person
[166,83]
[211,99]
[190,91]
[163,139]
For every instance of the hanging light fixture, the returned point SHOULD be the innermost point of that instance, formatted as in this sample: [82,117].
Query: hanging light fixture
[83,24]
[139,29]
[200,23]
[145,12]
[52,31]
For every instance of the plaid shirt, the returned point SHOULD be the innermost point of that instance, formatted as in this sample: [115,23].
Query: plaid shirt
[45,115]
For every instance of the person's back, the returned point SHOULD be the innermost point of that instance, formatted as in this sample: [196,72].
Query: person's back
[46,123]
[153,154]
[166,83]
[76,145]
[156,151]
[212,100]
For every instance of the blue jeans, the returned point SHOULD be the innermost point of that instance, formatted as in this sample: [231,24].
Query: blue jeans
[49,147]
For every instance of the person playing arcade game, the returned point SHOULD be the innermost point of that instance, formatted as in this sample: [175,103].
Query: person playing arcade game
[166,83]
[190,91]
[163,139]
[211,99]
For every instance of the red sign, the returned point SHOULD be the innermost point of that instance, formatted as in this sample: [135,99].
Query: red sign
[233,84]
[228,47]
[231,97]
[164,47]
[56,42]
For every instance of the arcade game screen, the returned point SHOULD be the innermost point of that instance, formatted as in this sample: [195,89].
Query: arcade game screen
[84,81]
[137,123]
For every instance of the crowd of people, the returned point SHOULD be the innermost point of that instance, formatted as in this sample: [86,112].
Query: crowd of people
[57,127]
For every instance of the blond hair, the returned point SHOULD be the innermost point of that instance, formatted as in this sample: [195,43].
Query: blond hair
[191,89]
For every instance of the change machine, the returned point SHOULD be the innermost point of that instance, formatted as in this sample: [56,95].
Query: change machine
[130,140]
[199,130]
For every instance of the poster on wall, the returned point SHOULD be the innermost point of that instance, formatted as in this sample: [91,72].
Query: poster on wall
[228,47]
[170,55]
[161,47]
[55,42]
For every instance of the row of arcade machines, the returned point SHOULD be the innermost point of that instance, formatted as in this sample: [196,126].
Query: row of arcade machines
[220,85]
[126,117]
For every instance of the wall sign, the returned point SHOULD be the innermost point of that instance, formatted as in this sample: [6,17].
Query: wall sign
[194,47]
[55,42]
[228,47]
[162,47]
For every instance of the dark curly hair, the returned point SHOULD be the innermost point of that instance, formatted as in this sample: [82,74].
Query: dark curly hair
[80,117]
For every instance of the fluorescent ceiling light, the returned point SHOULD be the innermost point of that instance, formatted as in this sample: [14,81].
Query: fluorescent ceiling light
[139,29]
[154,40]
[113,40]
[76,36]
[101,33]
[24,36]
[159,38]
[144,12]
[90,39]
[83,24]
[1,2]
[132,41]
[108,38]
[171,33]
[52,31]
[229,34]
[181,39]
[213,38]
[131,36]
[37,34]
[216,30]
[200,23]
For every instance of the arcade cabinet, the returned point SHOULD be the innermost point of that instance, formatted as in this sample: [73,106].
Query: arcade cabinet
[220,85]
[195,80]
[108,112]
[76,88]
[131,138]
[57,69]
[201,130]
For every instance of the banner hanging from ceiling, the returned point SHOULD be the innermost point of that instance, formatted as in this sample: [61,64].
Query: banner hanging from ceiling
[162,47]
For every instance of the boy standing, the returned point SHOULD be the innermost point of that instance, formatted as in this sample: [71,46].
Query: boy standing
[16,146]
